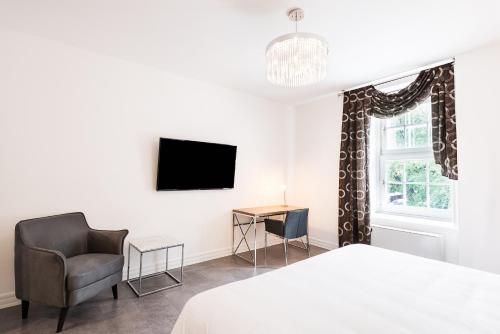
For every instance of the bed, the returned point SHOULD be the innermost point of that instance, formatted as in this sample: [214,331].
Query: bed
[354,289]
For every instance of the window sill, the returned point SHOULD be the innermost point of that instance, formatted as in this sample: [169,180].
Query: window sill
[423,224]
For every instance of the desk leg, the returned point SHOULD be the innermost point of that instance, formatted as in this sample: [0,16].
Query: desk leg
[232,226]
[255,241]
[245,237]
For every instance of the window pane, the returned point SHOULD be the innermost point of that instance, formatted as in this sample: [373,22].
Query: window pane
[410,130]
[416,195]
[395,138]
[394,171]
[413,181]
[395,194]
[416,170]
[396,121]
[435,173]
[419,115]
[440,196]
[419,136]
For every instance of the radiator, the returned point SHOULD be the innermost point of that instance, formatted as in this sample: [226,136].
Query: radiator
[424,244]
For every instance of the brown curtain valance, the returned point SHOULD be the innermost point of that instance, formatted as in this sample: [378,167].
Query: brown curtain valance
[386,105]
[359,104]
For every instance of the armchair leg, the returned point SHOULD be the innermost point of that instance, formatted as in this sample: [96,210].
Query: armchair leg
[25,306]
[62,317]
[115,291]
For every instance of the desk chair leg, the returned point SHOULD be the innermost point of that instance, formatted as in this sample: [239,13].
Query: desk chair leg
[286,250]
[265,248]
[308,246]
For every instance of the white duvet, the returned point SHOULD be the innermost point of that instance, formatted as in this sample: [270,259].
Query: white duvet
[355,289]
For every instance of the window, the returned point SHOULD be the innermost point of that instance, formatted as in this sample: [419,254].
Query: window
[409,181]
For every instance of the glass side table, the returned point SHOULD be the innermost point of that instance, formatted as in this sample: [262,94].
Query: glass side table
[152,244]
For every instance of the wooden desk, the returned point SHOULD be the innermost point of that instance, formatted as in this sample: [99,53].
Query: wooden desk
[255,214]
[266,211]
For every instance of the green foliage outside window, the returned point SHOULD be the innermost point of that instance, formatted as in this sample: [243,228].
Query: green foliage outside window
[435,174]
[395,171]
[416,195]
[440,197]
[420,136]
[416,170]
[413,173]
[419,116]
[408,130]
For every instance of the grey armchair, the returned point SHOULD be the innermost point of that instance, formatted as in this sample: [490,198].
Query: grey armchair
[60,261]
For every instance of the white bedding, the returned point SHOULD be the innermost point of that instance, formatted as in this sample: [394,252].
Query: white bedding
[355,289]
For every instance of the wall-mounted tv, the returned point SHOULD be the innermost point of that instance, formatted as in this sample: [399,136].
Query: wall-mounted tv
[191,165]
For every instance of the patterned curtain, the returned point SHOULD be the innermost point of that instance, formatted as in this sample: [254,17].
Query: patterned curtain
[359,105]
[354,202]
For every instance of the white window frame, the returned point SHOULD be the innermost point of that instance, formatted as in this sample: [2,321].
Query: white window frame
[380,155]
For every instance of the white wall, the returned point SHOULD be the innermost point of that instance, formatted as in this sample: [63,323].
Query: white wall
[79,132]
[478,120]
[476,243]
[317,148]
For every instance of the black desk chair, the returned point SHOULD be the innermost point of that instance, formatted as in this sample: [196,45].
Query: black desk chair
[294,227]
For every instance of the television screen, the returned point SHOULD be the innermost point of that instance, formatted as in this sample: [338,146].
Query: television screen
[186,165]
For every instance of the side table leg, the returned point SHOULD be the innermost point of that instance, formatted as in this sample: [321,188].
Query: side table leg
[182,261]
[128,265]
[140,276]
[166,263]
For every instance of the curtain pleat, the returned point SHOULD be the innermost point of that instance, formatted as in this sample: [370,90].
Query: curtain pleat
[354,200]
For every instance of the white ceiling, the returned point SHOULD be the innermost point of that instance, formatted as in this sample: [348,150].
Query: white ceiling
[223,41]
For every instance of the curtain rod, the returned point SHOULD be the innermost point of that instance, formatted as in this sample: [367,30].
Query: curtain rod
[399,76]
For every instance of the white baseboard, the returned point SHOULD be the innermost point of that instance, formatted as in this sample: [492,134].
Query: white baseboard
[210,255]
[175,262]
[8,299]
[323,243]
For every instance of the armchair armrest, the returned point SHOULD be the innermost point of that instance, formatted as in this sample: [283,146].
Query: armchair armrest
[41,274]
[110,242]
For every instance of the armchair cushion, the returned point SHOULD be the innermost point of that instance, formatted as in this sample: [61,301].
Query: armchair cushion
[109,242]
[83,270]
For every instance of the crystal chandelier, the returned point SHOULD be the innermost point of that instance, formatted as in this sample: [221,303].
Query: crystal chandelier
[296,59]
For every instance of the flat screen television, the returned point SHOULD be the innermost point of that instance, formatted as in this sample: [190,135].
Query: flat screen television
[191,165]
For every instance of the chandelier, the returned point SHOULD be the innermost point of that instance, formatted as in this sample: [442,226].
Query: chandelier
[296,59]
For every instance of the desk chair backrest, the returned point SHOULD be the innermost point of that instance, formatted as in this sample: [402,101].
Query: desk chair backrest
[296,224]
